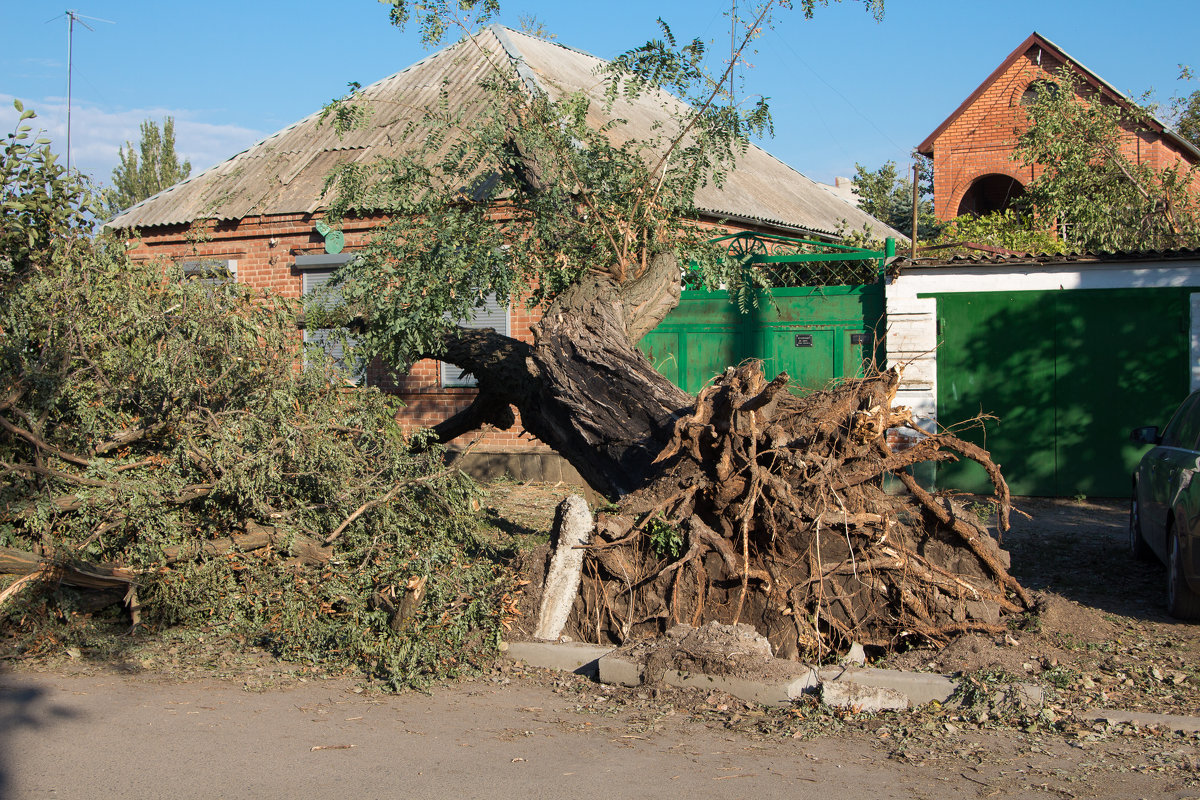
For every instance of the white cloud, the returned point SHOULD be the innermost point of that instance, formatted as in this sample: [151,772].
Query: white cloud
[97,134]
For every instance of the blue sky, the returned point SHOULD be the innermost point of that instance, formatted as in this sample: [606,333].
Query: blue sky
[843,88]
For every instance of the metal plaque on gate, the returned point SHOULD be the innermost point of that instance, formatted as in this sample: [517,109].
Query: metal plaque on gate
[804,340]
[863,339]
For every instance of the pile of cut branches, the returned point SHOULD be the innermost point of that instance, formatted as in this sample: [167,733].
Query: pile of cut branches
[165,461]
[771,510]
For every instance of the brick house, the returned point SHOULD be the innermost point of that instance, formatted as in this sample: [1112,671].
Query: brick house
[971,150]
[256,216]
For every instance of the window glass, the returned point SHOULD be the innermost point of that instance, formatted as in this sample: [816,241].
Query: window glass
[1184,428]
[209,271]
[493,315]
[333,342]
[1030,95]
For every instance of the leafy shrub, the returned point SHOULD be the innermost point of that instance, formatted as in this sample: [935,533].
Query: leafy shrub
[144,416]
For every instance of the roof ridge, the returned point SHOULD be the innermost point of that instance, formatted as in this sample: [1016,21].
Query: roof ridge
[762,189]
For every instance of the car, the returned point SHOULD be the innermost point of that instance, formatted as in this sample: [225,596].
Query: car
[1164,508]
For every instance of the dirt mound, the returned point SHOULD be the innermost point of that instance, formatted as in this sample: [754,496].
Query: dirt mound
[736,651]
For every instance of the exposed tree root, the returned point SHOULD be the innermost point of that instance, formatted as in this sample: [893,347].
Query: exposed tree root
[770,510]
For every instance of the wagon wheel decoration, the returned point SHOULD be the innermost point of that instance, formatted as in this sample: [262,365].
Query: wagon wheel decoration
[745,247]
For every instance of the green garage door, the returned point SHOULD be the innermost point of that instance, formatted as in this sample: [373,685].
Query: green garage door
[1067,374]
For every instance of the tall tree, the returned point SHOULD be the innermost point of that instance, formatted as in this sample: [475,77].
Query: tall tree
[146,171]
[1188,121]
[1100,197]
[886,194]
[1185,109]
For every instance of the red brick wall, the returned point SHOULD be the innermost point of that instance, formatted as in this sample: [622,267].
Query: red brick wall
[266,248]
[981,139]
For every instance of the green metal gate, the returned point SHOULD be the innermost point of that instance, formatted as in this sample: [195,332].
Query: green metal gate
[819,329]
[1067,374]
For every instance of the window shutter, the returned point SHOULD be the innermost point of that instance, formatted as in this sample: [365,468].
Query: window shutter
[317,282]
[492,315]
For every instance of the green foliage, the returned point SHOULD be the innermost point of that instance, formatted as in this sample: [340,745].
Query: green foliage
[529,23]
[887,195]
[665,539]
[520,196]
[1185,109]
[143,415]
[346,113]
[39,202]
[1188,121]
[437,18]
[135,179]
[1101,199]
[1008,229]
[997,696]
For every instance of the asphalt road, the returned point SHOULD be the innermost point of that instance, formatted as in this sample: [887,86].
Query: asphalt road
[137,737]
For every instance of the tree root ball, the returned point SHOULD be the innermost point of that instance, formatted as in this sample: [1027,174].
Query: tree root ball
[770,510]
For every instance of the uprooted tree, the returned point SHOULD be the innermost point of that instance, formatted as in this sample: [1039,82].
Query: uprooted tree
[745,503]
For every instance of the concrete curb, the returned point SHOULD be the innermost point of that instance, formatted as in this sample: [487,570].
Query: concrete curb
[919,687]
[617,670]
[563,656]
[599,661]
[1173,722]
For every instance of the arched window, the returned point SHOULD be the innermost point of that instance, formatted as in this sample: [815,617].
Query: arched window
[990,193]
[1030,95]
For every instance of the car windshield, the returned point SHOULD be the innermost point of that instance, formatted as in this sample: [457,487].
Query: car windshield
[1184,428]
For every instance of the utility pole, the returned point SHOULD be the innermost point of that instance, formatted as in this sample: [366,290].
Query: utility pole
[73,17]
[916,197]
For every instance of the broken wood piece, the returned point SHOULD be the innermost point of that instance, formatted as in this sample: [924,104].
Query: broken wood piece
[573,528]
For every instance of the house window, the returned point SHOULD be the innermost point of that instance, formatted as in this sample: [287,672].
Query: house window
[493,315]
[210,271]
[1030,96]
[316,274]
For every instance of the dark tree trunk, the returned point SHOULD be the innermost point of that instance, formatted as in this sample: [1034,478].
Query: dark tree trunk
[582,387]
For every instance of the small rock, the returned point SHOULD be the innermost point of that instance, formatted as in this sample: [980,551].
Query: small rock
[857,655]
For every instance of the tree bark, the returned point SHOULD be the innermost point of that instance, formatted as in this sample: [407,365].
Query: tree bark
[583,387]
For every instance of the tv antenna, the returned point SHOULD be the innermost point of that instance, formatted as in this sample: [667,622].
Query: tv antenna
[72,18]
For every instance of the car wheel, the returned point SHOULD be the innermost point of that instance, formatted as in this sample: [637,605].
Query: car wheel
[1182,602]
[1137,542]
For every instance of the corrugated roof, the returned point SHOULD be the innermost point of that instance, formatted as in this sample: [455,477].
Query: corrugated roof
[960,260]
[285,172]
